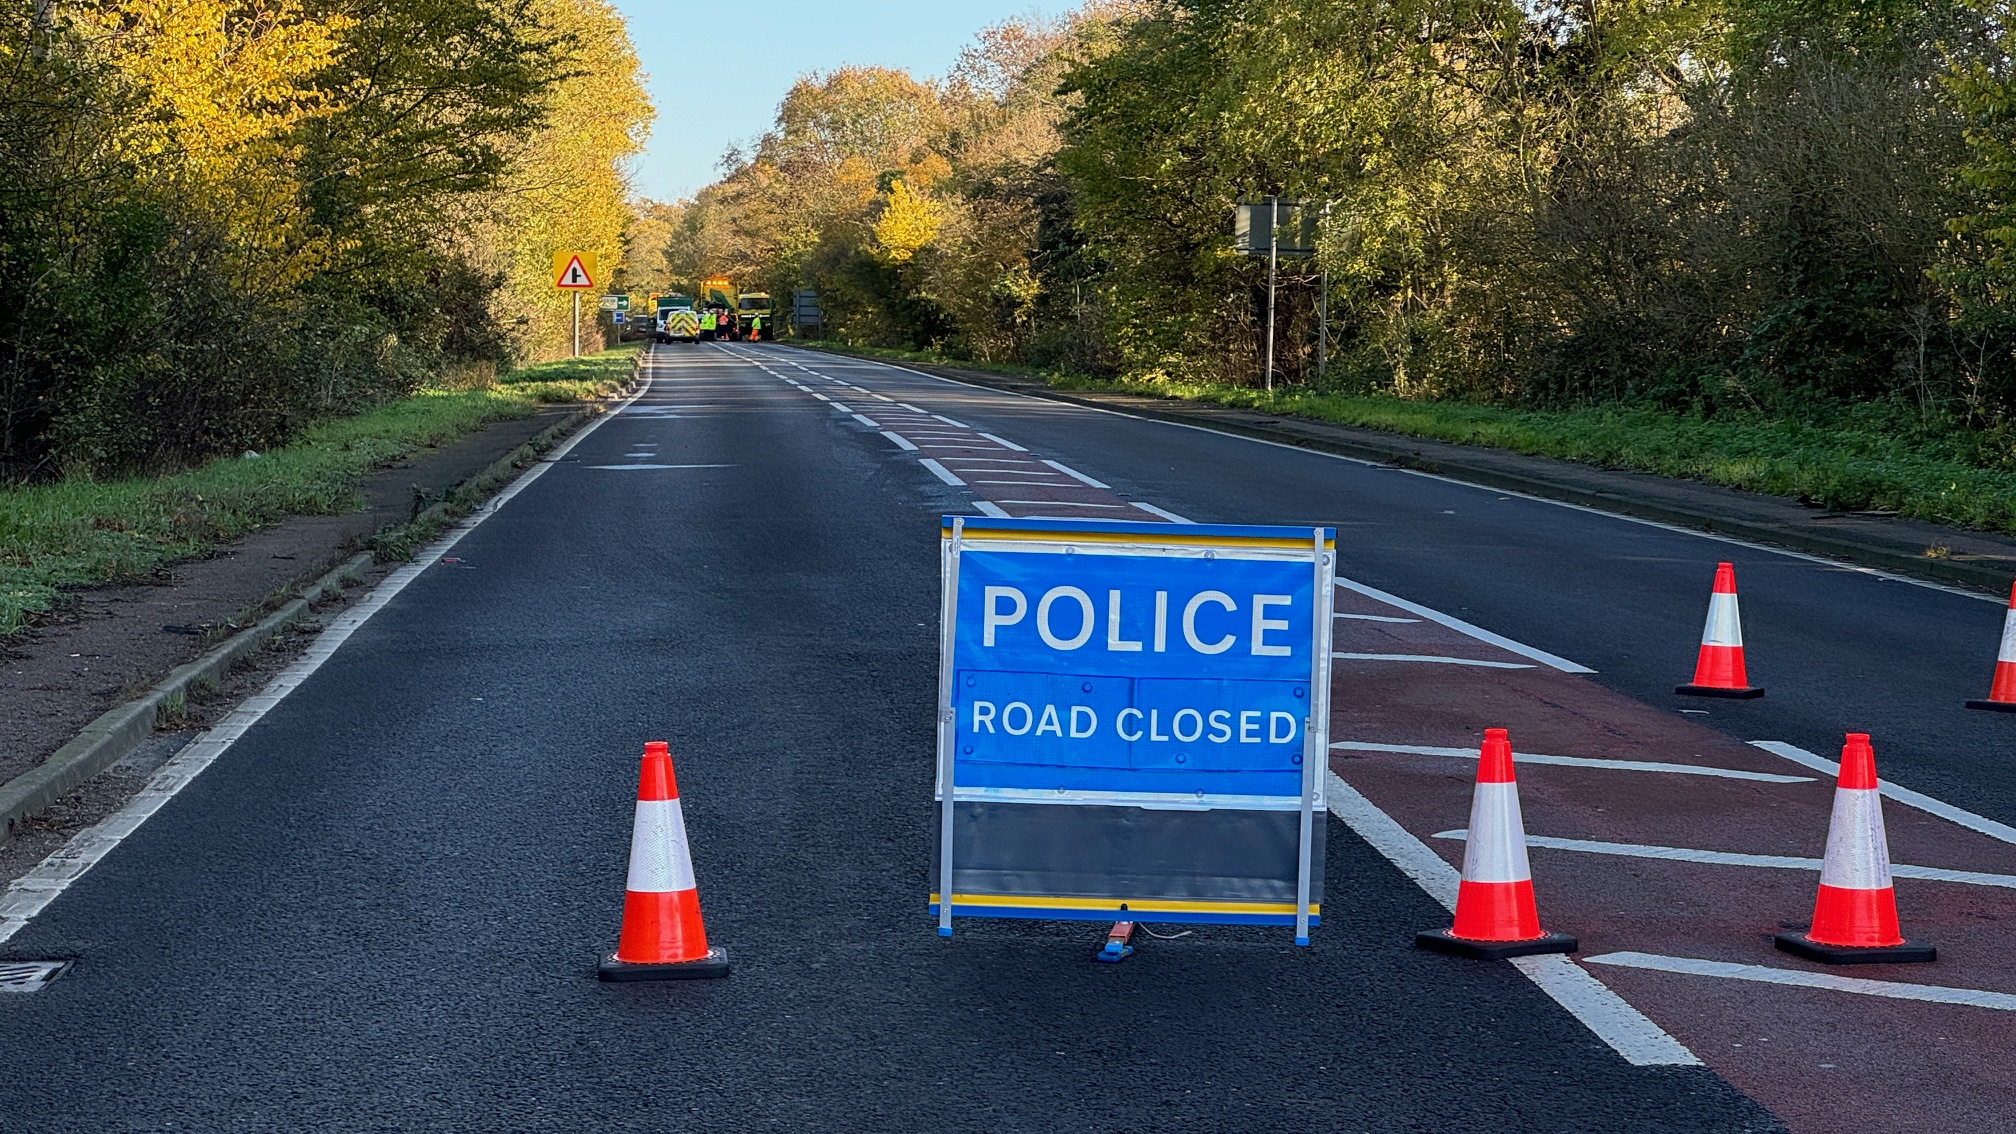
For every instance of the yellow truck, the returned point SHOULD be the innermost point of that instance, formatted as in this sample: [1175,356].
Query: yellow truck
[754,309]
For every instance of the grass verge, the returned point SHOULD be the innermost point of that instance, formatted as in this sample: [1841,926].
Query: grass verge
[84,533]
[1874,457]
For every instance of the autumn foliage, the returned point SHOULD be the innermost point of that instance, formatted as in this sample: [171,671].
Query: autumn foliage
[221,220]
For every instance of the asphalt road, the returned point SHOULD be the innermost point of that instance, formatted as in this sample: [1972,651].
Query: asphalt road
[380,909]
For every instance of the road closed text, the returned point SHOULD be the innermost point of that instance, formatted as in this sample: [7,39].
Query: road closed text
[1134,725]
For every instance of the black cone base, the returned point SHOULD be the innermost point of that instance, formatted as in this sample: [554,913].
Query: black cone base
[714,964]
[1799,945]
[1994,706]
[1442,941]
[1743,694]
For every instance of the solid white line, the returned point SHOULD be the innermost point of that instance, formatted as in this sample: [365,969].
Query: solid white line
[1903,795]
[949,421]
[941,471]
[1030,483]
[1761,861]
[1575,762]
[1462,627]
[1162,512]
[1001,441]
[1374,618]
[969,448]
[1628,1031]
[1434,658]
[914,409]
[28,895]
[1073,473]
[991,509]
[1800,978]
[867,421]
[901,441]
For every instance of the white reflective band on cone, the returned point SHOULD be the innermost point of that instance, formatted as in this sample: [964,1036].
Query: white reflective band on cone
[1858,855]
[1496,850]
[2008,650]
[1724,627]
[659,860]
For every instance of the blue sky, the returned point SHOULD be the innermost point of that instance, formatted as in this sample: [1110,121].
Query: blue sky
[717,88]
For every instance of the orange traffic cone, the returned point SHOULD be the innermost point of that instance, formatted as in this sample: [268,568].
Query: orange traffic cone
[1855,916]
[2002,692]
[1718,669]
[1495,914]
[663,938]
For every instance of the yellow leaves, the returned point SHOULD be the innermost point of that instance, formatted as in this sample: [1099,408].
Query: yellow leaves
[226,74]
[908,222]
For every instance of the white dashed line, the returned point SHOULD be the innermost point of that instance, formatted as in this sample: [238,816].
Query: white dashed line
[1574,761]
[949,421]
[902,442]
[1063,504]
[1074,474]
[1001,441]
[1433,658]
[1733,858]
[1375,618]
[991,509]
[1162,512]
[1903,795]
[1800,978]
[941,471]
[1462,627]
[867,421]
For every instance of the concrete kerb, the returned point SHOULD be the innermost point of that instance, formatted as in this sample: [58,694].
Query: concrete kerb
[1219,418]
[121,729]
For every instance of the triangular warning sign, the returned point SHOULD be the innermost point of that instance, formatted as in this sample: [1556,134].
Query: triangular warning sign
[574,275]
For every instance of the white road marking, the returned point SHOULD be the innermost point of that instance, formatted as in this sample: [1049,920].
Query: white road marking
[1074,474]
[949,421]
[941,472]
[1434,658]
[902,442]
[1761,861]
[1374,618]
[30,894]
[1800,978]
[1004,443]
[1903,795]
[1575,762]
[1062,504]
[869,422]
[822,398]
[644,467]
[841,408]
[913,409]
[1031,483]
[1628,1031]
[1162,512]
[1462,627]
[969,448]
[991,509]
[1663,526]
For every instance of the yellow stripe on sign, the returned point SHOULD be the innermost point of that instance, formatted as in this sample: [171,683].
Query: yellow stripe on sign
[1134,905]
[1158,539]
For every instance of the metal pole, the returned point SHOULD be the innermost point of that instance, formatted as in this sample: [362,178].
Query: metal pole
[948,619]
[577,322]
[1273,261]
[1323,311]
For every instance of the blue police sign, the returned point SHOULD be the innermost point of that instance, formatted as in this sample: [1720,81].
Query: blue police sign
[1133,721]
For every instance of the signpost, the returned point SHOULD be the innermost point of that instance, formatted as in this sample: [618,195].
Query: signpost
[1133,721]
[1290,229]
[574,272]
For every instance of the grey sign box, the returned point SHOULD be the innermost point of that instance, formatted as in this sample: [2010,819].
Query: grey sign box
[1295,235]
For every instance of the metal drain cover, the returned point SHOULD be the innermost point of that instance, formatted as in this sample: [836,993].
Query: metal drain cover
[28,976]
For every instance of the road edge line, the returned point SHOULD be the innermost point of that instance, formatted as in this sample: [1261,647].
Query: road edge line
[28,895]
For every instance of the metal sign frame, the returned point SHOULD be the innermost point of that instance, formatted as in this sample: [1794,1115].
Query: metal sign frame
[1252,857]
